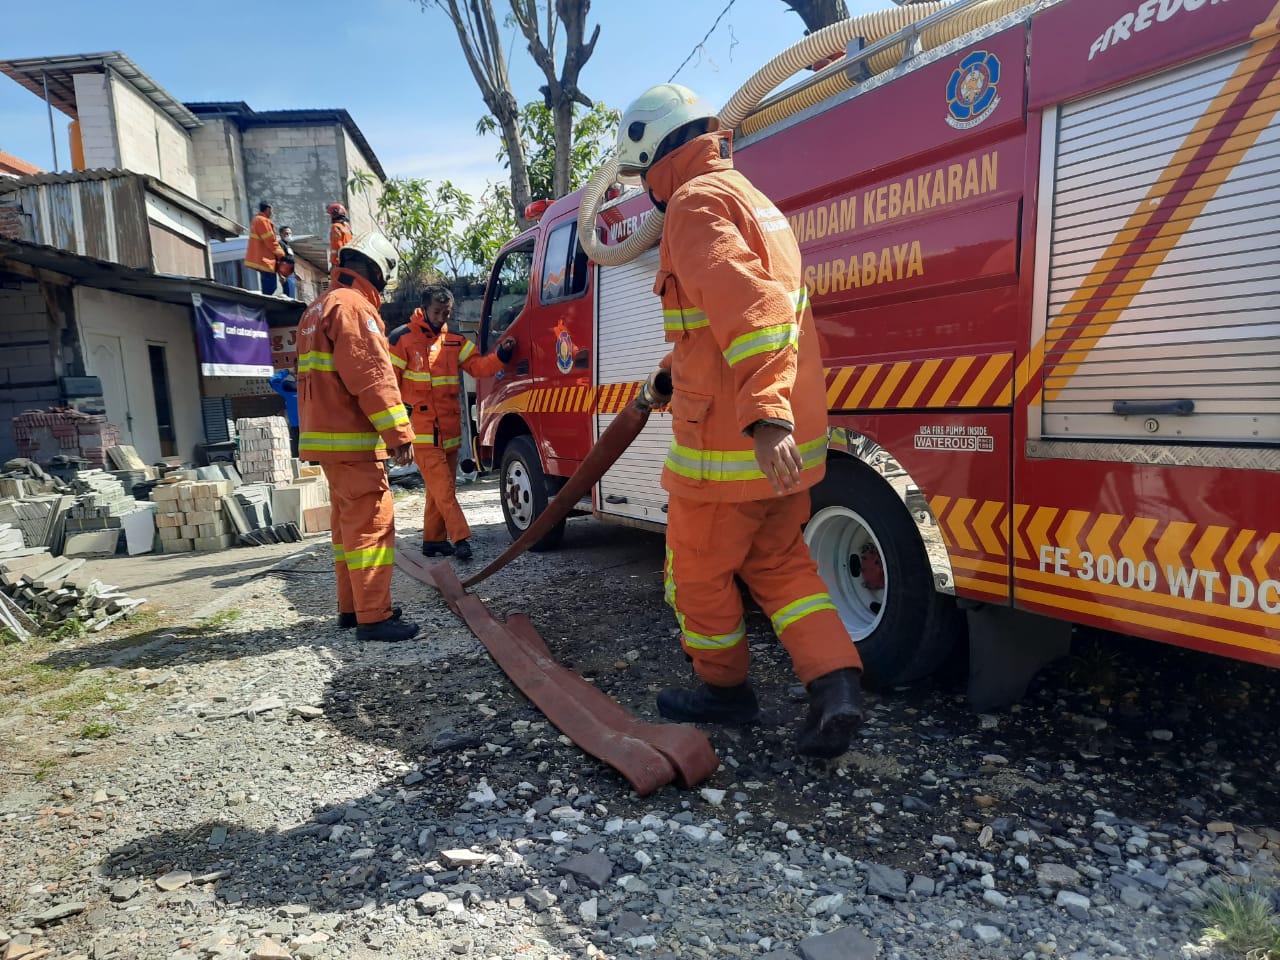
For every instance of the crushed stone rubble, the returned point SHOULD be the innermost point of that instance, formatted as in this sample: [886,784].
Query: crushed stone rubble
[277,790]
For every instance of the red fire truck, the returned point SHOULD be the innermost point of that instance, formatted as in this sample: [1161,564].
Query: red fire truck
[1044,260]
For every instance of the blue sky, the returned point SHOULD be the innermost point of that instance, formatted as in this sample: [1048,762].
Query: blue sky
[394,66]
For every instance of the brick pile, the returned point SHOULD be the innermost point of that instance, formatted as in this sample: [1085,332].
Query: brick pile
[190,517]
[42,435]
[264,455]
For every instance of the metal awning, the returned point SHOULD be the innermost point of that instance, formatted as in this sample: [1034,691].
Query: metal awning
[166,288]
[60,73]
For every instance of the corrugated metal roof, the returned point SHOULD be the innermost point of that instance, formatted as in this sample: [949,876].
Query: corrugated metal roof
[60,72]
[158,187]
[246,116]
[103,275]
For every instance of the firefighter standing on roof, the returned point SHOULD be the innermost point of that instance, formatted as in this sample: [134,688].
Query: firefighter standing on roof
[339,231]
[351,419]
[748,413]
[428,359]
[263,251]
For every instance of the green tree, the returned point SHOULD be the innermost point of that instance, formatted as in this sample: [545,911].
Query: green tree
[593,138]
[442,232]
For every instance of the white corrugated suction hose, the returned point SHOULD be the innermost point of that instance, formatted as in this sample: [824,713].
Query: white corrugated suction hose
[872,28]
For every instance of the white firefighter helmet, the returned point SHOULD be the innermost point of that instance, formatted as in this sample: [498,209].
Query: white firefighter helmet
[651,117]
[378,250]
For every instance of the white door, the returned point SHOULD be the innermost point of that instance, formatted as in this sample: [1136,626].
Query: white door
[105,360]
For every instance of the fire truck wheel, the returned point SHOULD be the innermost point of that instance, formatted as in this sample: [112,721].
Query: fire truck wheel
[524,492]
[873,561]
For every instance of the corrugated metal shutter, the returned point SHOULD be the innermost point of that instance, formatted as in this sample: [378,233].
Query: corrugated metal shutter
[1163,287]
[630,343]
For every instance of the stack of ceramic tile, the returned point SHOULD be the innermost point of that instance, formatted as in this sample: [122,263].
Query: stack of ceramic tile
[190,516]
[264,454]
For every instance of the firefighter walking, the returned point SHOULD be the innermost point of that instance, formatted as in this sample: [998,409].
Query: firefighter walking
[749,420]
[429,360]
[351,419]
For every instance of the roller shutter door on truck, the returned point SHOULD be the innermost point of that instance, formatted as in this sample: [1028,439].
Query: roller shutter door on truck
[1161,301]
[630,342]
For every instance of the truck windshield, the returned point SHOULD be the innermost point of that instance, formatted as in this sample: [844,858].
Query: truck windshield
[510,290]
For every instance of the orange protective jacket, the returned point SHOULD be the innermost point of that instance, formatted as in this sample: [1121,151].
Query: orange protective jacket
[349,405]
[264,249]
[736,308]
[427,366]
[339,237]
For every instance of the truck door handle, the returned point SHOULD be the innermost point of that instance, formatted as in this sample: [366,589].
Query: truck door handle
[614,498]
[582,360]
[522,367]
[1149,408]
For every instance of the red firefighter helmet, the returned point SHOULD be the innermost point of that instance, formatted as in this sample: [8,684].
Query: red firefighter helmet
[335,210]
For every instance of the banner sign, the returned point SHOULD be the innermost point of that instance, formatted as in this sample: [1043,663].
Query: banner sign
[233,338]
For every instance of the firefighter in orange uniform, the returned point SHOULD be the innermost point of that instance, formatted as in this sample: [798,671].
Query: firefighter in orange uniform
[264,252]
[339,231]
[749,422]
[351,419]
[428,358]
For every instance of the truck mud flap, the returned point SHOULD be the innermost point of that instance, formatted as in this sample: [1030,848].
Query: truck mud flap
[648,755]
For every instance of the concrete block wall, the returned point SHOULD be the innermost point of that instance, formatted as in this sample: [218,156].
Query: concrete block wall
[28,380]
[218,154]
[299,169]
[149,141]
[361,207]
[97,124]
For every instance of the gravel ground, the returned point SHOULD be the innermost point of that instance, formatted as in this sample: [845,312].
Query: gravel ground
[256,783]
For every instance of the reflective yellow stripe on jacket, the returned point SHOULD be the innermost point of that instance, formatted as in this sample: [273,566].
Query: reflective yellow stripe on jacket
[763,340]
[398,361]
[340,442]
[314,361]
[387,419]
[734,465]
[417,376]
[467,350]
[684,319]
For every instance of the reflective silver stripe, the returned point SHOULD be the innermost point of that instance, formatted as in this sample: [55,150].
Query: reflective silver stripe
[727,465]
[699,641]
[800,609]
[763,340]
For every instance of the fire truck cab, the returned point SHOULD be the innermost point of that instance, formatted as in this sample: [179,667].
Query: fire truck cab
[1042,256]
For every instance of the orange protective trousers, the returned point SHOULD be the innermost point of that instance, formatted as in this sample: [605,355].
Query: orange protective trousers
[442,516]
[708,542]
[364,537]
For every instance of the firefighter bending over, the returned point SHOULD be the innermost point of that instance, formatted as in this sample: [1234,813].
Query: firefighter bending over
[749,419]
[351,419]
[429,359]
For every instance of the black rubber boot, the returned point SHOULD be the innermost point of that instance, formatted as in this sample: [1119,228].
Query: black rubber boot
[389,630]
[835,712]
[436,548]
[708,704]
[347,621]
[462,549]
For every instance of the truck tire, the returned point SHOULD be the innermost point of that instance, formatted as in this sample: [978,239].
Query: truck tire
[873,561]
[524,492]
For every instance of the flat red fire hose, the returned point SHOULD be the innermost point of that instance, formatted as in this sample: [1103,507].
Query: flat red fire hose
[648,755]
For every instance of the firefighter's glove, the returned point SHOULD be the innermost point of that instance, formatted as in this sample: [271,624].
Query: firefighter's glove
[656,391]
[506,349]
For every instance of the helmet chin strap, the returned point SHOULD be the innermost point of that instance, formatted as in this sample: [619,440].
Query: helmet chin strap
[658,204]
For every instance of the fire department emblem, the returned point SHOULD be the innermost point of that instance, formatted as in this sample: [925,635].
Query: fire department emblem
[564,352]
[971,91]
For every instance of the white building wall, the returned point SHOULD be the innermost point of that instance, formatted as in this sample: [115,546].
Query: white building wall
[103,315]
[218,154]
[361,206]
[97,126]
[149,141]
